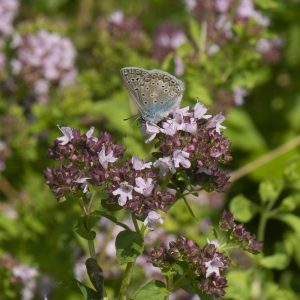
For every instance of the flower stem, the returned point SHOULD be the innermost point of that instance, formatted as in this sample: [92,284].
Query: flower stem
[129,267]
[126,281]
[135,223]
[250,167]
[189,208]
[92,249]
[262,226]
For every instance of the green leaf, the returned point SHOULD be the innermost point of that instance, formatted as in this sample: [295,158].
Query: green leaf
[269,190]
[293,46]
[239,283]
[153,290]
[292,173]
[84,226]
[292,220]
[242,208]
[87,292]
[277,261]
[242,133]
[195,31]
[290,203]
[95,274]
[129,246]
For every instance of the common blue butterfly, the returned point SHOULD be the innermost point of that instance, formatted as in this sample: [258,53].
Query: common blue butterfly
[156,93]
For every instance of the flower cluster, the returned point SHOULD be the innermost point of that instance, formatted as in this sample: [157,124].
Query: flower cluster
[135,186]
[8,11]
[167,38]
[119,23]
[22,276]
[121,26]
[84,158]
[239,234]
[270,49]
[43,59]
[203,267]
[88,160]
[191,144]
[221,16]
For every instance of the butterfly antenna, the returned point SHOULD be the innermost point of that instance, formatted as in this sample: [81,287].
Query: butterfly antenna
[126,119]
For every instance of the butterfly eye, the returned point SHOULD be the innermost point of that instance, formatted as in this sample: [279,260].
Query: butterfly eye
[155,101]
[143,94]
[154,76]
[166,90]
[153,82]
[145,102]
[147,88]
[147,79]
[132,79]
[152,95]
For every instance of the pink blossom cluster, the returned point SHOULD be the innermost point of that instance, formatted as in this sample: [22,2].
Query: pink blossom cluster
[191,141]
[167,38]
[44,59]
[8,12]
[221,15]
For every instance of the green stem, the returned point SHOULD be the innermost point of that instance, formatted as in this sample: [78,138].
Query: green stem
[128,271]
[126,281]
[135,223]
[189,208]
[92,249]
[259,162]
[203,38]
[85,12]
[262,226]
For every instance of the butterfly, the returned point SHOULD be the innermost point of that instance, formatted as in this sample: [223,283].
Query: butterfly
[156,93]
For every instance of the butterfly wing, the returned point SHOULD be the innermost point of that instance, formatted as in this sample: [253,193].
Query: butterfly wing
[155,92]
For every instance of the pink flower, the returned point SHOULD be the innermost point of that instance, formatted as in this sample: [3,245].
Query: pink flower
[181,158]
[152,219]
[215,122]
[191,126]
[89,134]
[169,127]
[124,192]
[139,164]
[222,5]
[84,183]
[106,157]
[165,165]
[8,11]
[67,135]
[116,17]
[238,95]
[144,187]
[179,65]
[200,111]
[151,130]
[213,242]
[213,266]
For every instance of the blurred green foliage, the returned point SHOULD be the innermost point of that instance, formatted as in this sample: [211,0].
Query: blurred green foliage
[41,233]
